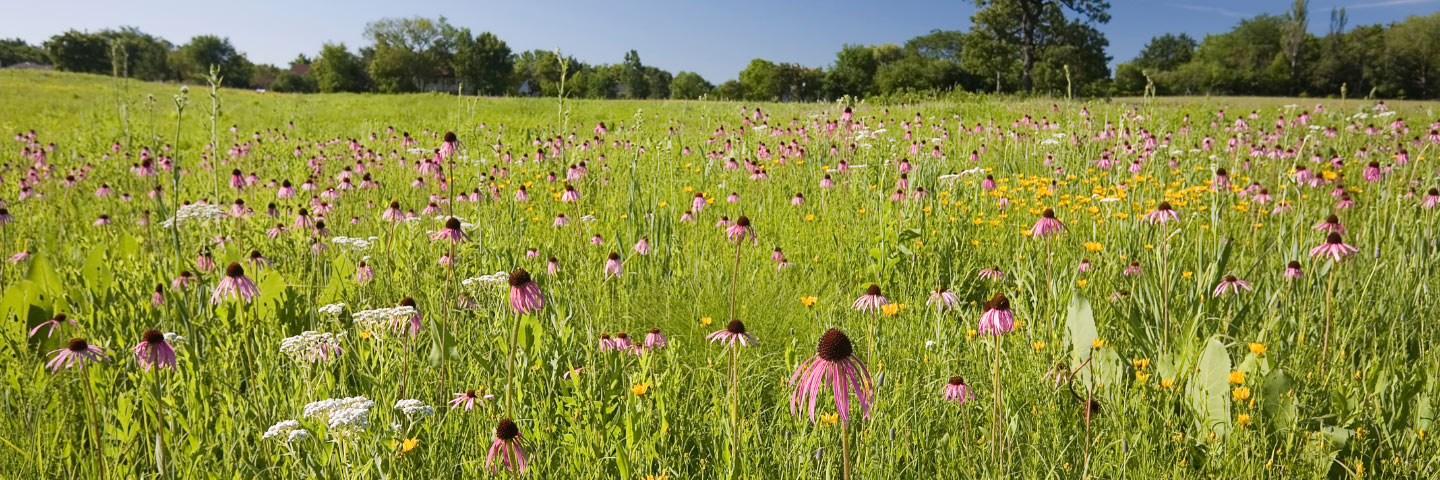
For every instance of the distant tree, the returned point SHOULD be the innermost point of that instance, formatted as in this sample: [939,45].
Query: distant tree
[409,53]
[853,72]
[537,72]
[760,80]
[1031,25]
[658,82]
[937,45]
[290,82]
[1166,52]
[731,90]
[338,70]
[142,55]
[689,85]
[1296,33]
[75,51]
[193,60]
[1414,46]
[483,63]
[1247,59]
[988,57]
[15,50]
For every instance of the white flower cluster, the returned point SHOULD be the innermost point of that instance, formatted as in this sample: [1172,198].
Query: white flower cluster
[312,346]
[414,409]
[344,416]
[195,211]
[173,338]
[381,319]
[492,280]
[354,244]
[287,430]
[333,309]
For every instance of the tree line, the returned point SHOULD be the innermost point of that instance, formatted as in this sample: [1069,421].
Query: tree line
[1049,47]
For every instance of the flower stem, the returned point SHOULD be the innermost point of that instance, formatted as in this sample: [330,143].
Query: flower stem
[94,421]
[1325,341]
[845,448]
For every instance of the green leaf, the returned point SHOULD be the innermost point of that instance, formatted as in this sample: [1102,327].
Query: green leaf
[1277,400]
[1208,391]
[97,272]
[43,275]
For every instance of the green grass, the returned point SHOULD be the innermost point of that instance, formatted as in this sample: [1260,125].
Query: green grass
[1166,410]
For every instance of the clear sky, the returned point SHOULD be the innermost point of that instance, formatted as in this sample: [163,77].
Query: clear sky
[715,38]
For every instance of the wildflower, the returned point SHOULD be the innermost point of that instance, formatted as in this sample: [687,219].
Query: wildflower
[892,309]
[639,389]
[957,390]
[312,347]
[1132,270]
[525,296]
[1333,247]
[1237,377]
[154,350]
[234,285]
[75,352]
[1330,225]
[654,339]
[1241,394]
[287,430]
[1242,419]
[834,362]
[570,195]
[997,318]
[467,399]
[871,301]
[942,299]
[613,266]
[344,416]
[1162,214]
[734,332]
[508,445]
[1257,348]
[1292,270]
[1084,266]
[1047,225]
[992,273]
[414,409]
[642,247]
[1234,285]
[451,232]
[808,301]
[53,322]
[740,230]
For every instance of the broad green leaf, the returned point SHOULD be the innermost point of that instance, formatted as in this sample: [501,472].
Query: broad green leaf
[1278,402]
[1208,391]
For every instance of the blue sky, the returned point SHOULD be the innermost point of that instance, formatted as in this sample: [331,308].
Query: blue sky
[716,38]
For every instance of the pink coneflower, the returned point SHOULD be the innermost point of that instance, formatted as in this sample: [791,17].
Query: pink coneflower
[102,220]
[1330,225]
[797,200]
[1084,266]
[76,352]
[942,299]
[654,339]
[777,255]
[1161,214]
[570,195]
[1372,172]
[827,182]
[957,391]
[1047,225]
[1232,284]
[597,240]
[19,257]
[414,320]
[740,230]
[997,319]
[53,322]
[1432,199]
[525,296]
[733,333]
[621,342]
[612,265]
[1334,248]
[508,446]
[5,216]
[257,261]
[448,147]
[552,266]
[286,190]
[451,232]
[871,301]
[1132,270]
[732,198]
[1222,179]
[183,281]
[393,214]
[992,273]
[560,220]
[834,363]
[988,183]
[698,203]
[643,246]
[363,273]
[1293,271]
[687,217]
[467,399]
[607,343]
[154,351]
[303,220]
[158,298]
[235,285]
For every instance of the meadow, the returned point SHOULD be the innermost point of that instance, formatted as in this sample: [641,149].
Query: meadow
[1027,288]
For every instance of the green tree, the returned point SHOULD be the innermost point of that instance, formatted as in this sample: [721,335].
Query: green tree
[760,79]
[192,61]
[15,50]
[410,54]
[75,51]
[853,72]
[338,70]
[1414,46]
[689,85]
[483,62]
[143,56]
[1031,25]
[731,90]
[1165,52]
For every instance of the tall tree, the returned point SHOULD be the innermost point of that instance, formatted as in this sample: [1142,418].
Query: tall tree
[1030,25]
[689,85]
[853,72]
[15,50]
[483,63]
[1166,52]
[338,70]
[143,56]
[76,51]
[1298,19]
[193,60]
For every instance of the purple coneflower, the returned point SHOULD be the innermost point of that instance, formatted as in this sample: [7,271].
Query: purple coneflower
[1132,270]
[654,339]
[570,195]
[1432,199]
[834,363]
[1334,247]
[1234,285]
[643,246]
[871,301]
[1047,225]
[76,352]
[997,319]
[451,232]
[363,273]
[1330,225]
[525,296]
[992,273]
[1161,214]
[158,298]
[234,285]
[53,322]
[612,265]
[1292,270]
[552,266]
[957,391]
[1084,266]
[607,343]
[154,351]
[560,221]
[415,320]
[507,445]
[467,399]
[740,230]
[942,299]
[734,332]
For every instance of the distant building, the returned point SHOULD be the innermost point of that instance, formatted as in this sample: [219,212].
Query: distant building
[31,66]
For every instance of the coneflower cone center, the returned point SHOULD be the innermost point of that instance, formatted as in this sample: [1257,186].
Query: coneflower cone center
[957,380]
[743,221]
[735,326]
[407,302]
[874,290]
[834,346]
[1049,213]
[999,302]
[506,430]
[519,278]
[453,223]
[1333,238]
[1164,206]
[78,345]
[234,270]
[154,337]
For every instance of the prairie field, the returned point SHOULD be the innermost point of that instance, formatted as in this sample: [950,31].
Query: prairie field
[996,287]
